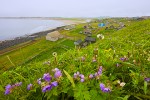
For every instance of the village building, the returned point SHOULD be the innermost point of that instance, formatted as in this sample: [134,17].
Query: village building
[88,32]
[90,39]
[53,36]
[69,27]
[78,42]
[101,25]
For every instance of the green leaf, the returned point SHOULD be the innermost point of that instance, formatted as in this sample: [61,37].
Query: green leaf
[93,94]
[70,78]
[86,95]
[145,87]
[126,97]
[1,88]
[19,75]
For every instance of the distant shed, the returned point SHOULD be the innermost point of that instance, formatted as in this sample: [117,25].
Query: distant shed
[53,36]
[90,39]
[78,42]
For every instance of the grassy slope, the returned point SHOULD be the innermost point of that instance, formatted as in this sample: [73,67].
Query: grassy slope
[26,53]
[132,41]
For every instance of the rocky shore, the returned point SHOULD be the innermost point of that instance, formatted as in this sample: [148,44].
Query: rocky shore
[8,43]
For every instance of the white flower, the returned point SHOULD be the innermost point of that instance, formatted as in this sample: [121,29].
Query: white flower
[54,54]
[122,84]
[100,36]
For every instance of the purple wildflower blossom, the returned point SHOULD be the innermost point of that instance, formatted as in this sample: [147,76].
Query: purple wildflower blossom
[147,79]
[13,86]
[75,75]
[8,86]
[78,73]
[123,59]
[102,87]
[81,76]
[55,83]
[96,74]
[47,77]
[106,90]
[8,89]
[94,60]
[58,74]
[18,84]
[91,76]
[82,58]
[82,80]
[47,88]
[56,69]
[39,81]
[117,64]
[100,70]
[7,92]
[29,87]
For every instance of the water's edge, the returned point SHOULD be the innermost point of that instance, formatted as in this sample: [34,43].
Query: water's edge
[8,43]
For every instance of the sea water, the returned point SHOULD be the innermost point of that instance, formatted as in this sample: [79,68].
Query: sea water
[12,28]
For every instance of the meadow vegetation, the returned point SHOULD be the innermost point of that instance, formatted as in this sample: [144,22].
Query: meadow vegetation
[113,68]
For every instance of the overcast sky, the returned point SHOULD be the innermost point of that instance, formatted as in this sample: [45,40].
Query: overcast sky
[74,8]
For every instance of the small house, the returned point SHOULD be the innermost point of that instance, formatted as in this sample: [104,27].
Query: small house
[84,44]
[53,36]
[69,27]
[87,32]
[112,27]
[101,25]
[90,40]
[78,42]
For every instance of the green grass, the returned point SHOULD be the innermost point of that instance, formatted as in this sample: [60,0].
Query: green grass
[21,55]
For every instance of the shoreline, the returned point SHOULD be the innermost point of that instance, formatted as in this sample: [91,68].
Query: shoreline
[18,40]
[64,21]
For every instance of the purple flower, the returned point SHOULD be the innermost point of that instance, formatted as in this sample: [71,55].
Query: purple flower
[91,76]
[39,81]
[7,92]
[82,58]
[75,75]
[56,69]
[147,79]
[58,74]
[96,74]
[29,87]
[47,88]
[47,77]
[94,60]
[8,89]
[78,73]
[123,59]
[55,83]
[100,70]
[81,76]
[106,90]
[18,84]
[117,65]
[82,80]
[102,87]
[8,86]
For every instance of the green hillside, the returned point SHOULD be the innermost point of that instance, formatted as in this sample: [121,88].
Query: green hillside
[113,68]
